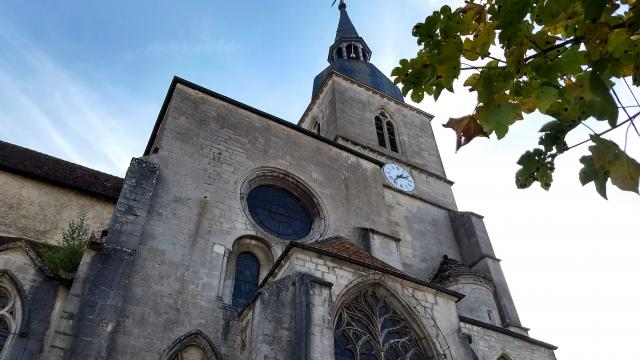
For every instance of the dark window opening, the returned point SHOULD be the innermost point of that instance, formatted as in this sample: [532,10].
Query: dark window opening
[391,133]
[246,279]
[279,212]
[339,53]
[4,333]
[380,132]
[386,132]
[352,52]
[316,127]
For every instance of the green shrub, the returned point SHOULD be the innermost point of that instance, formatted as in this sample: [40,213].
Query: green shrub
[66,256]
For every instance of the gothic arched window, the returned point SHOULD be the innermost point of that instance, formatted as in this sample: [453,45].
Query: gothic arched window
[246,279]
[386,132]
[11,312]
[339,53]
[192,346]
[368,327]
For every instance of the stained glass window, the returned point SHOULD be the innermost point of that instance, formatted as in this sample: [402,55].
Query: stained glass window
[369,328]
[246,279]
[279,212]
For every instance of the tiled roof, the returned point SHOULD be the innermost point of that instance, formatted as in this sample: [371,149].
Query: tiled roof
[346,248]
[360,71]
[36,165]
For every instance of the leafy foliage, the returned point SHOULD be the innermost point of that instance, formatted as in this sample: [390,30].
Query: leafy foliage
[557,57]
[66,257]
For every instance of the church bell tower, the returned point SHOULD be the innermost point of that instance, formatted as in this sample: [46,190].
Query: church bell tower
[357,105]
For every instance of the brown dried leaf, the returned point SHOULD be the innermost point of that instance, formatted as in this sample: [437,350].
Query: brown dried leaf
[467,128]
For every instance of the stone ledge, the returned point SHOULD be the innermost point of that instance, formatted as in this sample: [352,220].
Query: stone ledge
[507,332]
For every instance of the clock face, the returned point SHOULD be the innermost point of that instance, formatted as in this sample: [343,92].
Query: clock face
[399,177]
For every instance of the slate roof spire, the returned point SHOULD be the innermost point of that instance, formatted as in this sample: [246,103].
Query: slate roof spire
[345,26]
[350,56]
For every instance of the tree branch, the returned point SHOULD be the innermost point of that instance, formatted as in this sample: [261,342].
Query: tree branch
[572,41]
[630,119]
[485,56]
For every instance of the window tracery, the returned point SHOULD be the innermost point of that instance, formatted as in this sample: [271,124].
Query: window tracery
[368,327]
[191,346]
[10,313]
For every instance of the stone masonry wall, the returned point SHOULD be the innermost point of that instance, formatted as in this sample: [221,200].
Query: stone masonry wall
[36,210]
[39,302]
[434,312]
[490,345]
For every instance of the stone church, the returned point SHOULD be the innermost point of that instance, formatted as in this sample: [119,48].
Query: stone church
[238,235]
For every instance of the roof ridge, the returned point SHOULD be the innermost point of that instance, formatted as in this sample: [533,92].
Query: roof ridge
[36,165]
[5,143]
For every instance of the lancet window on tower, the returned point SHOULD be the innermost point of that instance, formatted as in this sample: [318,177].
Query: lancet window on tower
[368,327]
[386,132]
[246,279]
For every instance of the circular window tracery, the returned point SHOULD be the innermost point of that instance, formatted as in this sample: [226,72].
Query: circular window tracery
[279,212]
[280,206]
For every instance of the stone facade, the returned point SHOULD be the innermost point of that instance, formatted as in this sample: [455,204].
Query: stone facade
[161,283]
[40,211]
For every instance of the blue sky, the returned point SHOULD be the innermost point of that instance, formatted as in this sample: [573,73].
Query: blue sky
[84,80]
[96,72]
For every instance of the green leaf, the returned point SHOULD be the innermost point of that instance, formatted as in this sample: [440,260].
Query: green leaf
[626,173]
[509,20]
[554,136]
[593,9]
[548,12]
[590,173]
[607,157]
[544,97]
[535,166]
[604,106]
[498,117]
[417,95]
[472,80]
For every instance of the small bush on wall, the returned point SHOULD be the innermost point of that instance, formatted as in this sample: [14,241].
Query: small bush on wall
[66,256]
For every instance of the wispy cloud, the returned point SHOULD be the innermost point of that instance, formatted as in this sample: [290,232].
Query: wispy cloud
[43,106]
[199,47]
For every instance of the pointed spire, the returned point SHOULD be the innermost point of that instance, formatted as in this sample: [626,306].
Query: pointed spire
[345,26]
[350,56]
